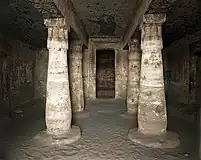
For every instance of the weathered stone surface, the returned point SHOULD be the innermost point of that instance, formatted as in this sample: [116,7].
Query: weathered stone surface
[92,70]
[76,79]
[86,74]
[121,73]
[100,43]
[89,80]
[105,74]
[46,139]
[16,67]
[177,57]
[58,103]
[166,140]
[133,76]
[183,19]
[152,116]
[192,81]
[40,76]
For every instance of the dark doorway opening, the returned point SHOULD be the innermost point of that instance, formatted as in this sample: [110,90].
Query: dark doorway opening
[105,74]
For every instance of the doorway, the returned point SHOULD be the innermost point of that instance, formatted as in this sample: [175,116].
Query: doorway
[105,74]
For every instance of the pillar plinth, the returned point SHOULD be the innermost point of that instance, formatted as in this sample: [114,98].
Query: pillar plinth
[152,115]
[58,115]
[76,80]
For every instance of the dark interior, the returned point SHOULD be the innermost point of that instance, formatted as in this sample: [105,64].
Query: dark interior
[105,74]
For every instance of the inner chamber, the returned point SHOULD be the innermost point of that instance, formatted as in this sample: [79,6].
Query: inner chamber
[105,74]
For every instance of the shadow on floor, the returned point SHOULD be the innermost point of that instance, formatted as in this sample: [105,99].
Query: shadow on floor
[104,136]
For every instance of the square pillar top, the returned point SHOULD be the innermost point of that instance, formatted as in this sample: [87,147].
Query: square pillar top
[154,18]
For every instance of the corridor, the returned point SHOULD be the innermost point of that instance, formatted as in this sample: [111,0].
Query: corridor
[104,137]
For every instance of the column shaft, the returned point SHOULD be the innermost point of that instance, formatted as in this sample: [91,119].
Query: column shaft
[121,73]
[85,62]
[152,116]
[133,76]
[76,80]
[58,104]
[90,64]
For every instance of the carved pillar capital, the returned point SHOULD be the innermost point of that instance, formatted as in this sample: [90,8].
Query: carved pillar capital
[57,33]
[154,18]
[76,49]
[134,49]
[151,35]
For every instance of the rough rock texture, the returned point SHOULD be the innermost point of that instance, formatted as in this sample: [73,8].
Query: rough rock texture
[40,77]
[20,20]
[121,73]
[192,80]
[104,138]
[91,77]
[182,19]
[105,74]
[152,116]
[75,73]
[16,67]
[86,73]
[58,103]
[99,44]
[177,62]
[104,17]
[133,76]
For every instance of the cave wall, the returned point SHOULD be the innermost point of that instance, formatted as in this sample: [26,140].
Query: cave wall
[181,59]
[16,70]
[176,60]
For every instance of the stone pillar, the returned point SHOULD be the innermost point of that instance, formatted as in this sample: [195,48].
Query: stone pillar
[40,75]
[133,76]
[93,72]
[121,73]
[192,79]
[85,62]
[76,80]
[124,73]
[58,114]
[89,62]
[152,116]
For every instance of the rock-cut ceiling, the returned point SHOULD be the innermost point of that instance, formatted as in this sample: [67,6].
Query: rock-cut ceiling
[100,17]
[105,17]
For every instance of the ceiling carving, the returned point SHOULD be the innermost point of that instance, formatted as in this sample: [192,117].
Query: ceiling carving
[21,20]
[183,18]
[105,17]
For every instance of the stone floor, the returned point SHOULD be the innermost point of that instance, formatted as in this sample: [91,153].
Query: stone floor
[104,137]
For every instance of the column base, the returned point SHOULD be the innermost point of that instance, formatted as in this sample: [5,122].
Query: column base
[132,108]
[127,115]
[80,115]
[166,140]
[70,137]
